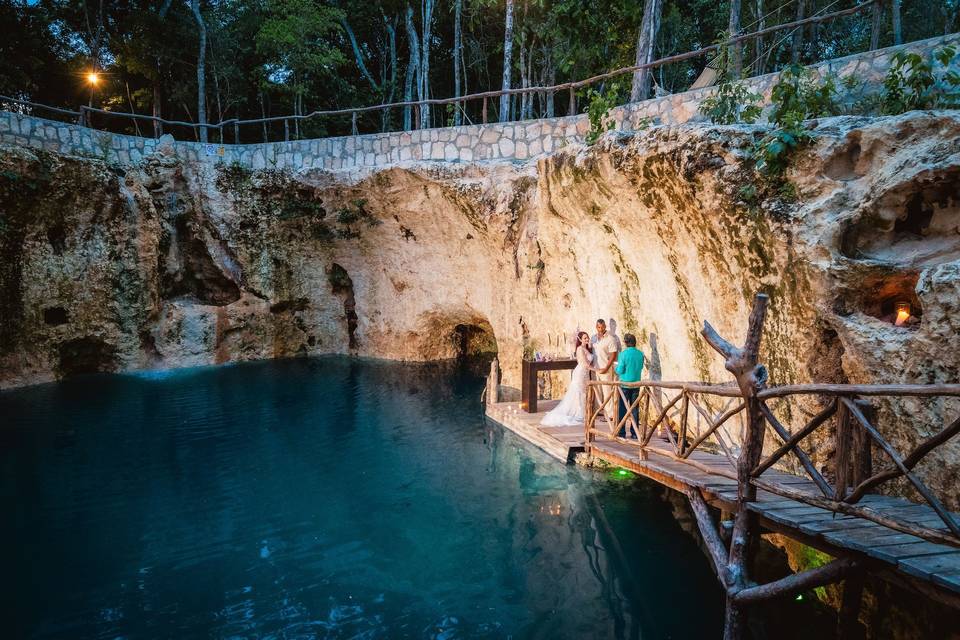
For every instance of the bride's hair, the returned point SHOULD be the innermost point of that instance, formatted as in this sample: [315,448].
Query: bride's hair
[584,333]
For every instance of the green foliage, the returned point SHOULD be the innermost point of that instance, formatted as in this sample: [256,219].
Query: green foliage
[774,150]
[598,110]
[733,103]
[297,38]
[913,82]
[800,94]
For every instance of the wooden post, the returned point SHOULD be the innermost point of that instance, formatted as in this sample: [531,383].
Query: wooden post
[353,124]
[588,423]
[847,617]
[573,103]
[751,378]
[861,447]
[484,110]
[286,130]
[842,455]
[236,133]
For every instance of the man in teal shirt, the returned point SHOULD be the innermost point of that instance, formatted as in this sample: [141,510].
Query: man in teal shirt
[629,368]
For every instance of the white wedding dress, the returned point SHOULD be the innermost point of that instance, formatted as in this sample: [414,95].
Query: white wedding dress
[569,413]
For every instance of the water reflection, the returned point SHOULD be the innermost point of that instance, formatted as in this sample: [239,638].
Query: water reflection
[330,498]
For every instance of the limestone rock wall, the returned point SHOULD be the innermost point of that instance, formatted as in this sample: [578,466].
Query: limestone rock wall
[166,263]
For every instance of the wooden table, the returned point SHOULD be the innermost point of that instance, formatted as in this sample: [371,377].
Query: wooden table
[528,381]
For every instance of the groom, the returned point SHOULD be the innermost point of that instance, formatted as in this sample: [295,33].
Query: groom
[606,346]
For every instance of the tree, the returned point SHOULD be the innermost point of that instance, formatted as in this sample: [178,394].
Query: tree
[201,70]
[645,46]
[507,62]
[298,42]
[736,50]
[457,58]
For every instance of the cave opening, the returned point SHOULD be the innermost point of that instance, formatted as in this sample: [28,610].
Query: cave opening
[55,316]
[86,355]
[915,224]
[342,286]
[475,345]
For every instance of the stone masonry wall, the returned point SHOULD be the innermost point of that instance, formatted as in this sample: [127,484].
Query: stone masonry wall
[518,141]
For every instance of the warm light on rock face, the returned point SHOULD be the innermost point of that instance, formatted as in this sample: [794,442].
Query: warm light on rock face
[903,313]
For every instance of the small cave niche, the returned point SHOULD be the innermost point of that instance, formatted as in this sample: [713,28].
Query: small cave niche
[195,273]
[342,286]
[884,296]
[55,316]
[86,355]
[917,224]
[57,237]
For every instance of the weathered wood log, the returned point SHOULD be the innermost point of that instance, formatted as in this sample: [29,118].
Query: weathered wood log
[931,535]
[716,425]
[796,583]
[921,488]
[909,462]
[802,456]
[711,537]
[751,378]
[843,454]
[850,603]
[918,390]
[788,446]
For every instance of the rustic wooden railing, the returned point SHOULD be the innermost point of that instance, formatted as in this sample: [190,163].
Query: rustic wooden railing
[696,416]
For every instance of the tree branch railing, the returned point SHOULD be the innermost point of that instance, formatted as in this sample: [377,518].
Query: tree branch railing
[691,416]
[695,417]
[85,113]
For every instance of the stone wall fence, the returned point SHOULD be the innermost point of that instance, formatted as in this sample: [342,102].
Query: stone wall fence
[513,141]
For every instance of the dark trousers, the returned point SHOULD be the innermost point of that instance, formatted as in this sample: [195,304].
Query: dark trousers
[630,393]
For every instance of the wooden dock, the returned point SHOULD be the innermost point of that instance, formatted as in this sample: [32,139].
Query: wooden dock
[932,569]
[560,442]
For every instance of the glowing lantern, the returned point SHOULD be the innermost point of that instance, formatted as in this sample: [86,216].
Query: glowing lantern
[93,78]
[903,313]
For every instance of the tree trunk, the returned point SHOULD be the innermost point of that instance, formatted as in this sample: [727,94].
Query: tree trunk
[649,27]
[157,125]
[876,14]
[263,114]
[201,71]
[759,66]
[524,81]
[897,24]
[507,62]
[457,46]
[413,69]
[735,61]
[391,27]
[798,33]
[426,14]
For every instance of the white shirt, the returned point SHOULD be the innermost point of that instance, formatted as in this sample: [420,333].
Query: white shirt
[605,348]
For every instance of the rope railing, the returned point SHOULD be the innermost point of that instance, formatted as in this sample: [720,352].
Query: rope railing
[85,112]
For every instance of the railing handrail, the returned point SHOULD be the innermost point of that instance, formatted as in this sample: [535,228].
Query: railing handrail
[729,390]
[854,475]
[571,86]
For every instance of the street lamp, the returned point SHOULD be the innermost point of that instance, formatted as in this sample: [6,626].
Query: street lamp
[93,78]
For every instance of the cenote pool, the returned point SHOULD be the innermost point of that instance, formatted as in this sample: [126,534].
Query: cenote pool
[327,498]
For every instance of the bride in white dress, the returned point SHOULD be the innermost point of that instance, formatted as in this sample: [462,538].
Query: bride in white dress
[570,411]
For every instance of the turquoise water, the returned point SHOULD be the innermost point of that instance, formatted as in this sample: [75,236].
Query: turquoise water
[322,498]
